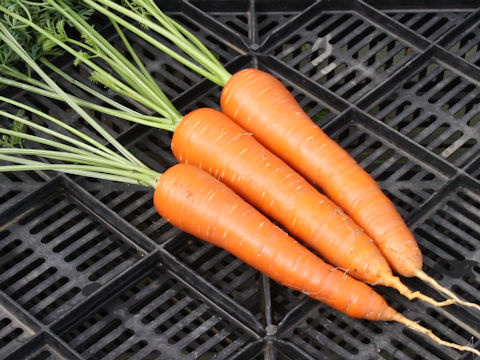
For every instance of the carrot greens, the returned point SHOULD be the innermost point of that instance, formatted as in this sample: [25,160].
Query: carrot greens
[13,141]
[78,153]
[198,57]
[106,65]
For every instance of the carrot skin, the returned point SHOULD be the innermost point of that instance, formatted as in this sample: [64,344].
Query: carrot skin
[197,203]
[260,104]
[210,140]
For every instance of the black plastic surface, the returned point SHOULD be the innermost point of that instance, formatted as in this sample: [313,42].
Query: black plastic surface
[88,270]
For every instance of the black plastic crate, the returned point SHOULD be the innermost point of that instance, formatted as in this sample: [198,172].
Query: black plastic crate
[88,270]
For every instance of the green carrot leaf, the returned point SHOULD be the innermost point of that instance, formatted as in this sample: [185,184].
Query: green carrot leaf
[11,141]
[43,14]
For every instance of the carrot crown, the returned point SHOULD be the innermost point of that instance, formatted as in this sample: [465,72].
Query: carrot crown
[75,153]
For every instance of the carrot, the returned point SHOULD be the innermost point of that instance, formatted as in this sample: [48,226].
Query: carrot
[260,103]
[197,203]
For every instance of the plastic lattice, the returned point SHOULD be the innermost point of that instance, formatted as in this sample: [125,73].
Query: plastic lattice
[88,269]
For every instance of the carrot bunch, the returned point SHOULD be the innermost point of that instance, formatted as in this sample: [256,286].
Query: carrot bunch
[198,203]
[262,106]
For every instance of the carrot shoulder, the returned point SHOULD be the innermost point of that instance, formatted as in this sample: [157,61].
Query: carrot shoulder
[197,203]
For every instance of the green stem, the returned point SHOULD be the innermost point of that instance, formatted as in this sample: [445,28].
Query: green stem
[147,120]
[113,82]
[126,70]
[102,45]
[176,28]
[82,45]
[14,73]
[164,99]
[97,147]
[90,159]
[152,85]
[99,169]
[10,41]
[43,141]
[80,170]
[86,88]
[217,74]
[132,52]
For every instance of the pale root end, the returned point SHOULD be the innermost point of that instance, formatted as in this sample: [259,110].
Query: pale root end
[419,328]
[410,295]
[423,276]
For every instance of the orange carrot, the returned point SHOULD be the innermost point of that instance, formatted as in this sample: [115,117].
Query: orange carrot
[197,203]
[209,139]
[259,103]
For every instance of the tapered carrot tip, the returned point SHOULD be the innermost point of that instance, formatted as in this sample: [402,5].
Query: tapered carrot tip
[411,295]
[423,276]
[419,328]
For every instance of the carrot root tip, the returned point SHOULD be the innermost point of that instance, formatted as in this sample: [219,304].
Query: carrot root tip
[413,325]
[423,276]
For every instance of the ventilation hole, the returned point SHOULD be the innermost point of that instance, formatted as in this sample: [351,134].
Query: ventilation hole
[4,322]
[406,350]
[34,283]
[127,254]
[346,32]
[445,89]
[112,345]
[267,28]
[421,75]
[450,231]
[238,28]
[58,284]
[362,36]
[319,21]
[434,240]
[65,210]
[341,20]
[15,260]
[444,148]
[433,81]
[44,355]
[71,239]
[410,173]
[10,246]
[435,27]
[94,241]
[99,255]
[423,20]
[154,355]
[15,333]
[66,297]
[9,195]
[446,322]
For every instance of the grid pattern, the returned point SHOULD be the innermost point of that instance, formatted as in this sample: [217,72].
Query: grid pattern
[88,270]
